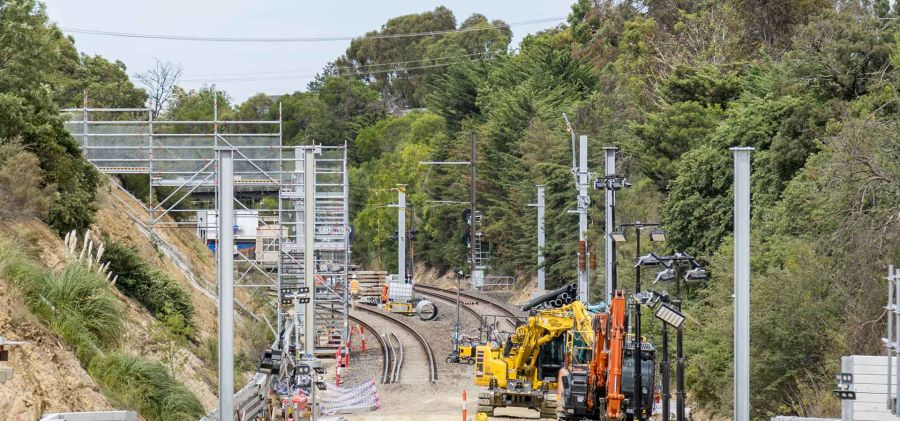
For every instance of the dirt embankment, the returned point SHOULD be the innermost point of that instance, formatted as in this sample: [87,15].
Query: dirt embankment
[48,377]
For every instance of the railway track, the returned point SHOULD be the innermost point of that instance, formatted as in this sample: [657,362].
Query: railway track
[474,304]
[386,350]
[410,346]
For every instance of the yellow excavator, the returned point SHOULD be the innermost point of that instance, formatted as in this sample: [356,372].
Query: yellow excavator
[524,371]
[566,363]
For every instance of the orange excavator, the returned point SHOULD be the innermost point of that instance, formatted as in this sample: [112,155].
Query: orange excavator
[591,385]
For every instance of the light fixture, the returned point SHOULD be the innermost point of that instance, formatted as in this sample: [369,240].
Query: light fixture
[321,386]
[669,315]
[667,275]
[618,236]
[696,274]
[658,235]
[649,260]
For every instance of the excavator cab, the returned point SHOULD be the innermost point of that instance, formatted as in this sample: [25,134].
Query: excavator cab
[648,378]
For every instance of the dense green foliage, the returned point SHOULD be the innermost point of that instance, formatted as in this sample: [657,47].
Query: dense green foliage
[812,85]
[40,71]
[81,307]
[158,293]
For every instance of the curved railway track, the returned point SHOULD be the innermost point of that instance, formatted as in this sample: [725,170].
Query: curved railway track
[386,350]
[474,304]
[394,358]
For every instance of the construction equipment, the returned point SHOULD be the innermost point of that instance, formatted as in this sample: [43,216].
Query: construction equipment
[464,353]
[599,386]
[568,362]
[524,372]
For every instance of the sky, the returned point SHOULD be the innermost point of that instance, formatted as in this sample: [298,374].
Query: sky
[293,63]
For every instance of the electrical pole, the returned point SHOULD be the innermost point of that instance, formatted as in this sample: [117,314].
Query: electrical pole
[472,228]
[638,395]
[610,221]
[225,275]
[741,288]
[584,202]
[540,205]
[401,233]
[472,163]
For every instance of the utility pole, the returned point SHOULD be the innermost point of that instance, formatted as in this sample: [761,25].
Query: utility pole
[472,228]
[584,202]
[540,205]
[412,237]
[610,221]
[225,275]
[309,265]
[401,232]
[309,261]
[741,286]
[472,163]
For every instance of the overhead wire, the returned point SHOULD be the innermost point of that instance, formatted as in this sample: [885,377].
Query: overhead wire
[300,39]
[291,72]
[357,73]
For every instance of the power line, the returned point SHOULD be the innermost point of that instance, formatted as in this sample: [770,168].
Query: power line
[299,39]
[352,68]
[360,73]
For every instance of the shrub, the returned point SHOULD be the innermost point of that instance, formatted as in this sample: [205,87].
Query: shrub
[22,182]
[153,289]
[145,386]
[79,306]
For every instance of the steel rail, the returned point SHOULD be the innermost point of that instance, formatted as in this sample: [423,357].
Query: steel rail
[449,295]
[432,362]
[385,349]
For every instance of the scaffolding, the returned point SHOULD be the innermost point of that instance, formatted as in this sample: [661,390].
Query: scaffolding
[178,160]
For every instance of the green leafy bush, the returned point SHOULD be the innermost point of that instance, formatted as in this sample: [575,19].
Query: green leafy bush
[145,386]
[152,288]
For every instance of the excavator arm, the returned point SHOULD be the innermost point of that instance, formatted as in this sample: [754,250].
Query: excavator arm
[616,334]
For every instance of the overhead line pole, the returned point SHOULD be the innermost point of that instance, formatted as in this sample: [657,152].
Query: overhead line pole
[472,163]
[610,221]
[584,202]
[540,205]
[472,229]
[741,284]
[225,275]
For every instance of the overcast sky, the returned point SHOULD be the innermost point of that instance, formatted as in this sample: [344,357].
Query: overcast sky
[261,18]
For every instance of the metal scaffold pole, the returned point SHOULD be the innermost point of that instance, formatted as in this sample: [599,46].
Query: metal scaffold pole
[225,275]
[741,283]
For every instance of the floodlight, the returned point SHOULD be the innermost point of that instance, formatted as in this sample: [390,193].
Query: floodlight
[649,260]
[618,236]
[321,386]
[695,275]
[619,183]
[844,394]
[669,315]
[658,235]
[667,275]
